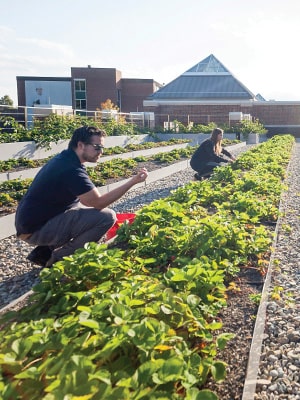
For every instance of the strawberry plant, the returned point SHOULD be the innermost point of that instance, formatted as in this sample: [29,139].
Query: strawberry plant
[140,321]
[16,163]
[22,162]
[127,335]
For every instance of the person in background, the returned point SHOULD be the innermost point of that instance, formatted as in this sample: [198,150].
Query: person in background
[62,209]
[210,154]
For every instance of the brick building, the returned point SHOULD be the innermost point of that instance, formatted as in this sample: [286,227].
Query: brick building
[208,92]
[85,90]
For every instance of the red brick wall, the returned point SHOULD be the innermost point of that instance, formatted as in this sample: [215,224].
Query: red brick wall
[268,113]
[104,83]
[278,114]
[133,93]
[101,84]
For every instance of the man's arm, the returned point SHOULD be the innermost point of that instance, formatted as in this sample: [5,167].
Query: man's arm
[95,200]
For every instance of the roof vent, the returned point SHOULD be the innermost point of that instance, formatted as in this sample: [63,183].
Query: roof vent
[236,116]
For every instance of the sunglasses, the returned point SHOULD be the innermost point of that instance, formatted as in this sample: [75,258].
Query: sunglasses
[97,147]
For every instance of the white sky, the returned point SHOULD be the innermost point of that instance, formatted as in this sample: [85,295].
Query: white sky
[257,40]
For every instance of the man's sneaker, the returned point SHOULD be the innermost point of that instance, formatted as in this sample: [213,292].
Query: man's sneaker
[201,177]
[40,255]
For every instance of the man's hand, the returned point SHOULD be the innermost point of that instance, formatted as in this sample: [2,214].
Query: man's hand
[141,176]
[94,199]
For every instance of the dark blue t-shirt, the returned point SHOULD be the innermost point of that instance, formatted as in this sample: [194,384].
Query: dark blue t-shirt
[54,190]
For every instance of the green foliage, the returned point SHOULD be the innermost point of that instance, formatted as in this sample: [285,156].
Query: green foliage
[245,127]
[6,100]
[13,164]
[119,128]
[12,131]
[256,298]
[204,128]
[6,200]
[15,189]
[12,191]
[116,168]
[190,128]
[141,323]
[110,329]
[229,142]
[22,162]
[55,127]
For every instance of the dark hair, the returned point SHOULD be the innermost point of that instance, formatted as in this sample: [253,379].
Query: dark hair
[84,134]
[215,133]
[217,143]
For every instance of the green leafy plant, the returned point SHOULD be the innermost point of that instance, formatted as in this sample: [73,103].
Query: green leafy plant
[55,127]
[256,298]
[141,321]
[22,162]
[117,168]
[11,130]
[246,127]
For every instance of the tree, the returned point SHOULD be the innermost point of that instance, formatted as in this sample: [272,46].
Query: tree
[6,101]
[109,105]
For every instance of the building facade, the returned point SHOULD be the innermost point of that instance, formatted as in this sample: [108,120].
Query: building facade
[85,90]
[208,92]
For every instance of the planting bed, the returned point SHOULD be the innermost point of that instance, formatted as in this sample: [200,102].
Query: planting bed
[150,165]
[238,317]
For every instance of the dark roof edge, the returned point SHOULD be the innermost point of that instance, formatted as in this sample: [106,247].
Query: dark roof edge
[43,78]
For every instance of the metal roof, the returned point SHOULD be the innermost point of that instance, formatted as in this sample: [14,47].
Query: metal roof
[207,80]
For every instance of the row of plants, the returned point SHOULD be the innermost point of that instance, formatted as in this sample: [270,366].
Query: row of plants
[249,190]
[243,127]
[140,320]
[23,162]
[54,127]
[11,191]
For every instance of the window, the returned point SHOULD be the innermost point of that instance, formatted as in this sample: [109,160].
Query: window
[80,94]
[80,85]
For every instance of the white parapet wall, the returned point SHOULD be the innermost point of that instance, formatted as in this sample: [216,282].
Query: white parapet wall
[32,151]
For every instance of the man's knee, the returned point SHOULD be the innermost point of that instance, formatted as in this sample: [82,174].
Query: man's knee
[107,217]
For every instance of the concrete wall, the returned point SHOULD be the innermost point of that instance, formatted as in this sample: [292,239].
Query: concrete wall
[29,149]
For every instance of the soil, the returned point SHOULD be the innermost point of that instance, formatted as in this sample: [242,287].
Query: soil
[238,318]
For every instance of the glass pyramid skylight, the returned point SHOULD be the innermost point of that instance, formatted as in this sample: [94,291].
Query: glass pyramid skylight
[209,65]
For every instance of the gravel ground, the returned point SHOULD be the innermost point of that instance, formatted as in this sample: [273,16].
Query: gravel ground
[279,365]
